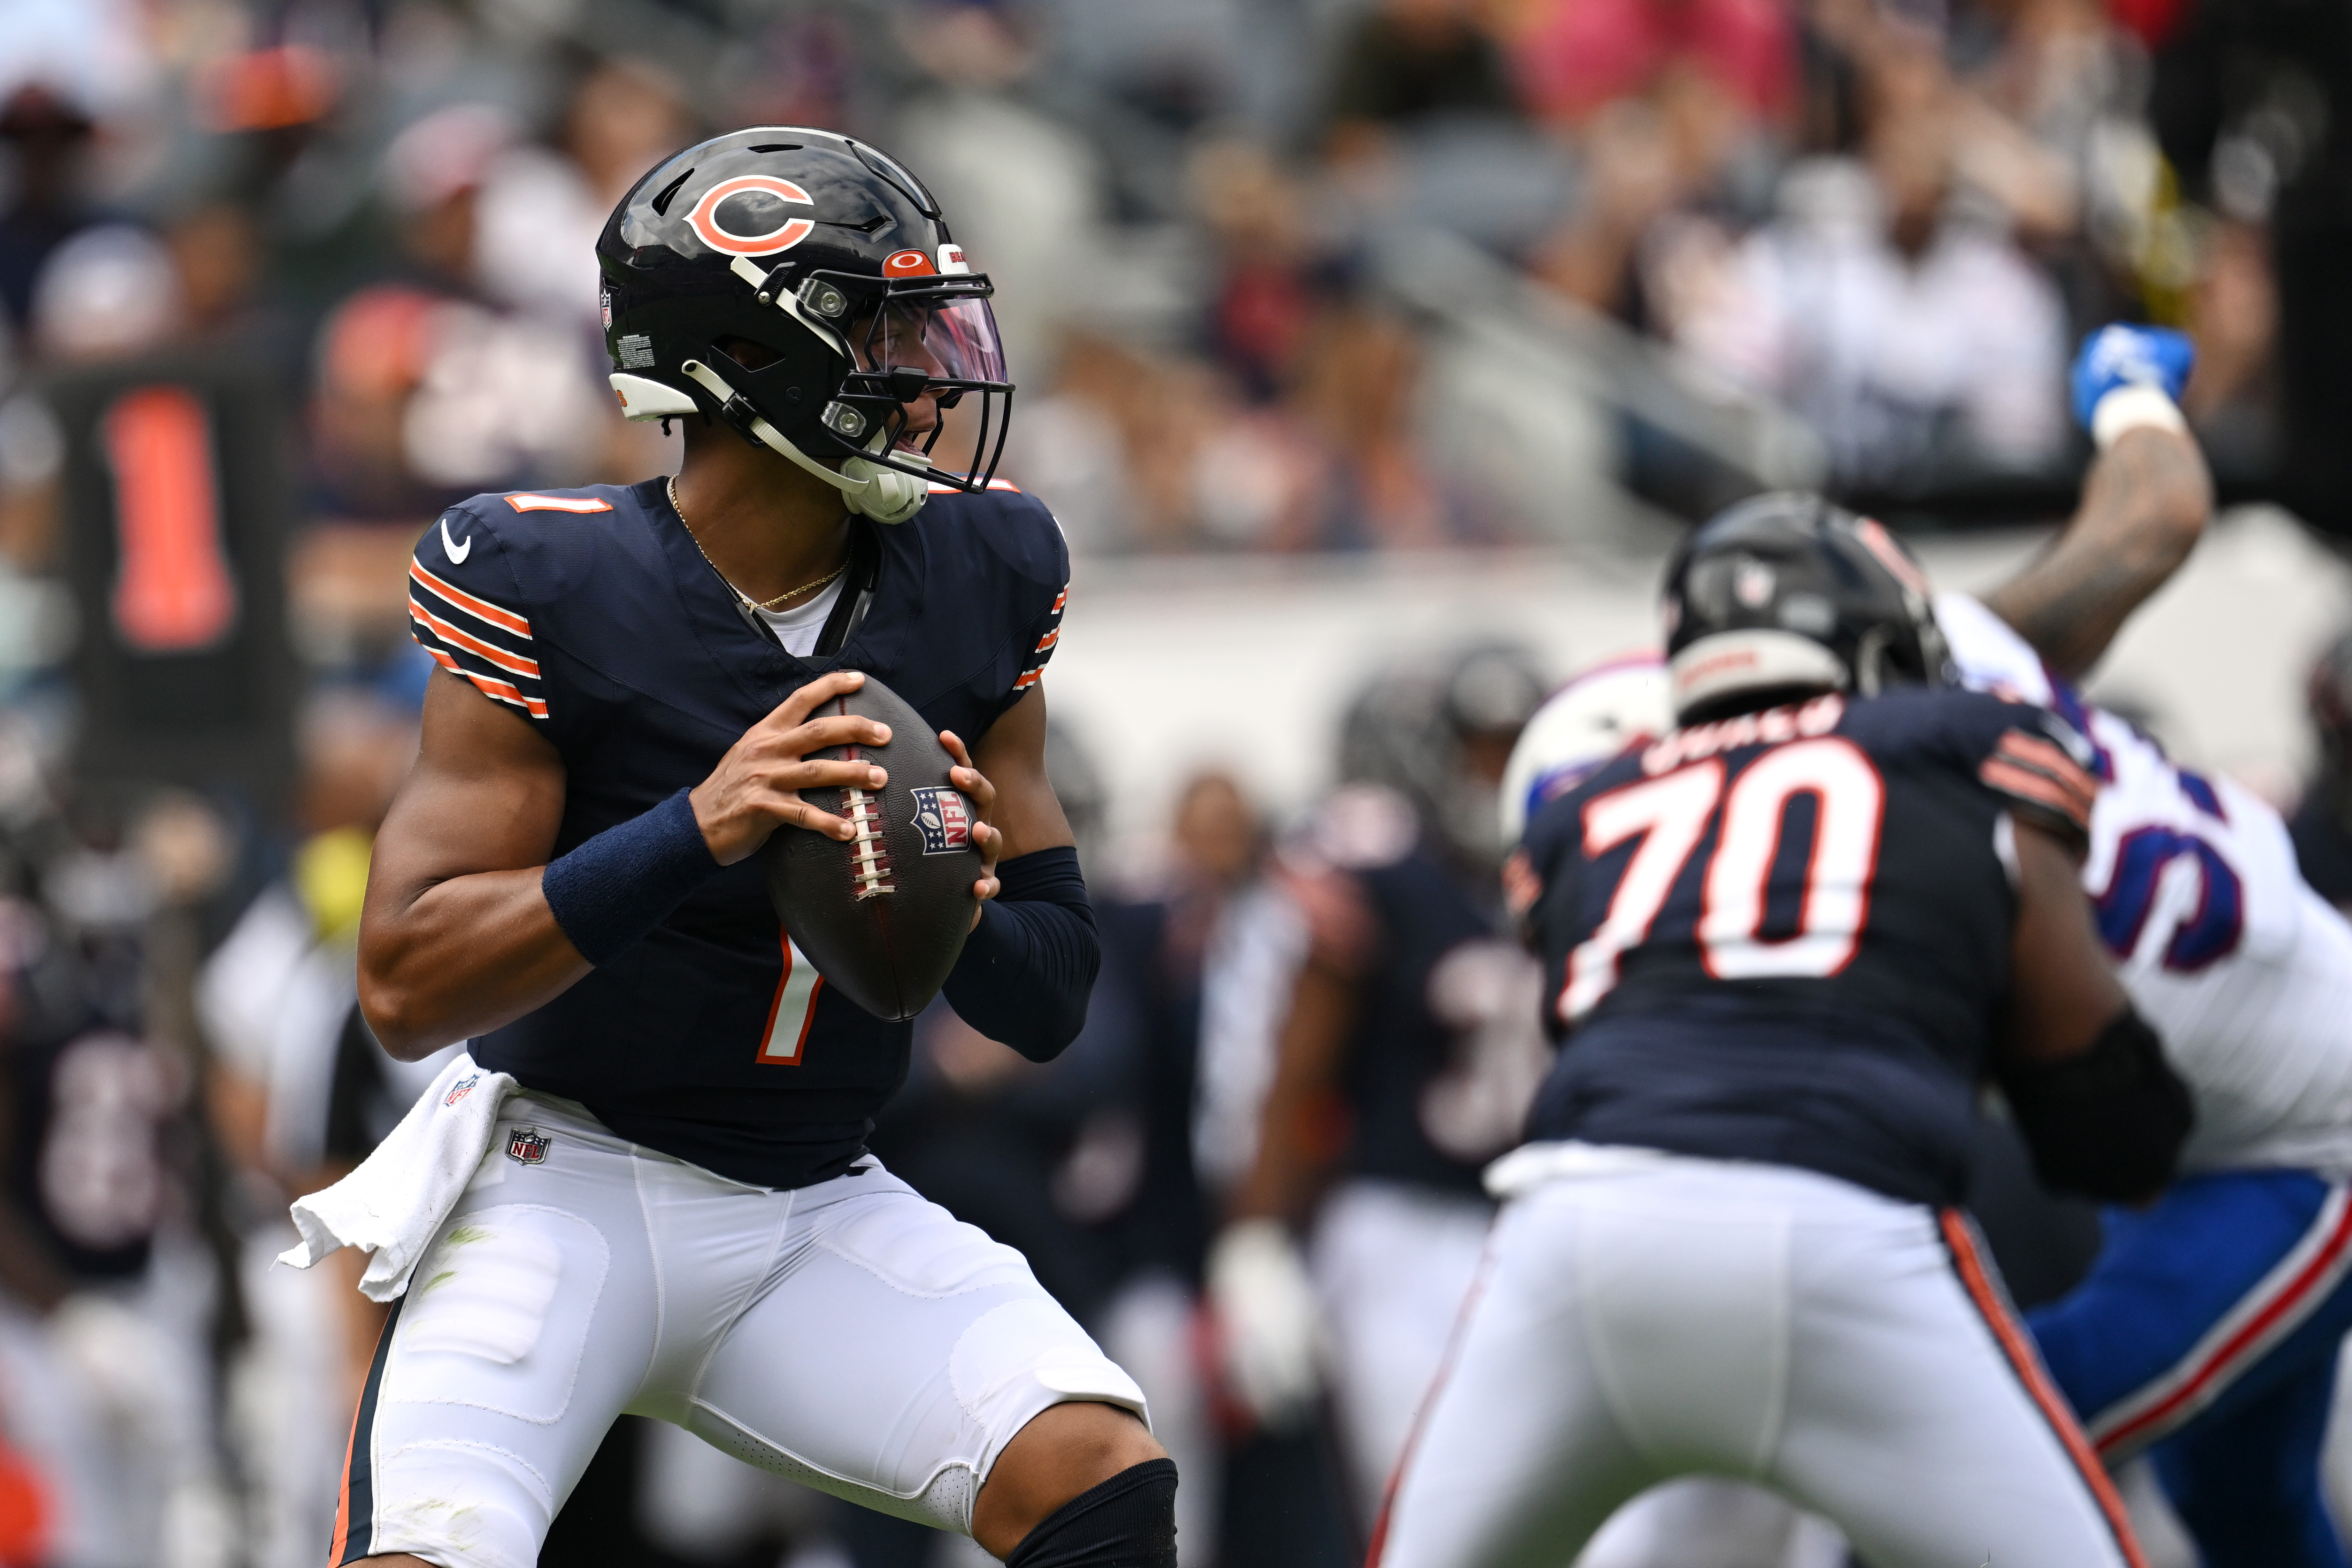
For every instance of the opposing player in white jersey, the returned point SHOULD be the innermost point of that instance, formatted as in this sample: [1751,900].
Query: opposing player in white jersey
[2207,1332]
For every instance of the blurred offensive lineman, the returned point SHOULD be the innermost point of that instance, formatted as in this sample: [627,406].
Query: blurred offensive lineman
[2208,1334]
[683,1222]
[1790,936]
[1410,1024]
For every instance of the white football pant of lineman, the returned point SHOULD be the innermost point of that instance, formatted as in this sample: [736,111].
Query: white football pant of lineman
[1640,1315]
[849,1335]
[1392,1265]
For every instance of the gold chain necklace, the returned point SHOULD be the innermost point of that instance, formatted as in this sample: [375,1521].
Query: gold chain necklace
[771,605]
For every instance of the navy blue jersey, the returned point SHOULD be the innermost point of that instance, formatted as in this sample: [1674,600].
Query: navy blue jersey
[1786,936]
[1416,935]
[1401,1045]
[591,614]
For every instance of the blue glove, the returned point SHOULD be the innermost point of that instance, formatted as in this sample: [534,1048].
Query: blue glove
[2119,355]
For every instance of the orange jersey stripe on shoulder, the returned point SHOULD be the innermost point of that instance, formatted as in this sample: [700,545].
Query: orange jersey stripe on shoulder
[2052,758]
[497,690]
[472,644]
[471,604]
[2084,799]
[558,503]
[2010,779]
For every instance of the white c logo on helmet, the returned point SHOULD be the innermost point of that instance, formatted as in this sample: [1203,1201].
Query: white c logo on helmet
[727,237]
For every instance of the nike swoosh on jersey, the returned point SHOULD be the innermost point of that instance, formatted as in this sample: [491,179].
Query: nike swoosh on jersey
[457,553]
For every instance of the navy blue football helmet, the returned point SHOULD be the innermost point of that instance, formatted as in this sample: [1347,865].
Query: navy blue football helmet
[1786,595]
[801,287]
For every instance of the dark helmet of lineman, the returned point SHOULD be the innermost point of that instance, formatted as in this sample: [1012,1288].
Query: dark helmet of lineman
[801,289]
[1439,732]
[1785,594]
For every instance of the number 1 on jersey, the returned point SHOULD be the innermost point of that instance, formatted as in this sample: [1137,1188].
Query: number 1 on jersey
[1671,816]
[792,1011]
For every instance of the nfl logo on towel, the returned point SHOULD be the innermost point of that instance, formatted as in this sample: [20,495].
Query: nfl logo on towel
[461,1089]
[945,820]
[528,1146]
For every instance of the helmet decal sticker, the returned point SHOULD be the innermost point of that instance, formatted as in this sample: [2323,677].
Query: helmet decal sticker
[907,264]
[1890,556]
[951,261]
[745,216]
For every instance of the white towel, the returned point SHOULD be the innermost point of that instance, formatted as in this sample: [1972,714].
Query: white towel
[394,1202]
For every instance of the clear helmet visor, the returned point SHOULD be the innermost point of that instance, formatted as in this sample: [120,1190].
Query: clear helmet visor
[935,356]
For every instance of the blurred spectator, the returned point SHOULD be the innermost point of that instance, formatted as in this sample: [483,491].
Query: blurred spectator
[47,140]
[2249,102]
[541,208]
[1575,58]
[426,392]
[1027,190]
[109,291]
[1271,263]
[1408,62]
[1905,326]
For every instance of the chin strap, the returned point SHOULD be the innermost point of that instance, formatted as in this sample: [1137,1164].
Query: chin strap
[869,489]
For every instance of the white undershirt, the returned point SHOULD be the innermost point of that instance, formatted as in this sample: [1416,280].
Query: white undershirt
[798,628]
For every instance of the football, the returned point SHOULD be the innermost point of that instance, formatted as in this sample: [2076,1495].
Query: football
[882,916]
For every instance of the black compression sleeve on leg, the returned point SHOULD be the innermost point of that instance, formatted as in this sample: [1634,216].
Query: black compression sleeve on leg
[1128,1522]
[1029,966]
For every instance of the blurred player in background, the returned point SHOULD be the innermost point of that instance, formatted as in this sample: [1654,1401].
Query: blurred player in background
[1403,1061]
[1790,936]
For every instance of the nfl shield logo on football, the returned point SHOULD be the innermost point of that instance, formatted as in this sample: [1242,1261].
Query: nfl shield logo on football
[944,819]
[527,1146]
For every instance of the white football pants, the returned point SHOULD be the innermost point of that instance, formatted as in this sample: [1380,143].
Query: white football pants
[848,1336]
[1393,1265]
[1640,1315]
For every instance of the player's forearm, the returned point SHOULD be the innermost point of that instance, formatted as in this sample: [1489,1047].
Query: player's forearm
[1297,1144]
[460,958]
[2144,505]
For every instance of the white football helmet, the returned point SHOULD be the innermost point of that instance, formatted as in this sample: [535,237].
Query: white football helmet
[1580,726]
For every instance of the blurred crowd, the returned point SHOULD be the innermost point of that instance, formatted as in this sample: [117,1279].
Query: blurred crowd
[368,222]
[1891,218]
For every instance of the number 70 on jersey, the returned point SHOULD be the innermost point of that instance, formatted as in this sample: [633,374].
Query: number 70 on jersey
[1670,817]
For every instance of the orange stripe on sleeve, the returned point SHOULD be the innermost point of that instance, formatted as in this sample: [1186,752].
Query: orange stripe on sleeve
[2052,759]
[499,691]
[472,644]
[506,619]
[2010,779]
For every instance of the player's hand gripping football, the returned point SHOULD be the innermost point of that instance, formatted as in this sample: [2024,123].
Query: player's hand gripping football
[755,789]
[985,836]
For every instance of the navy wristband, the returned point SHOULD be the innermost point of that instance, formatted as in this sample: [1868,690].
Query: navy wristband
[609,893]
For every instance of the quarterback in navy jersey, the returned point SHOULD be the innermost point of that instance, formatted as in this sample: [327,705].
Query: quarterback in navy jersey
[1786,941]
[676,1215]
